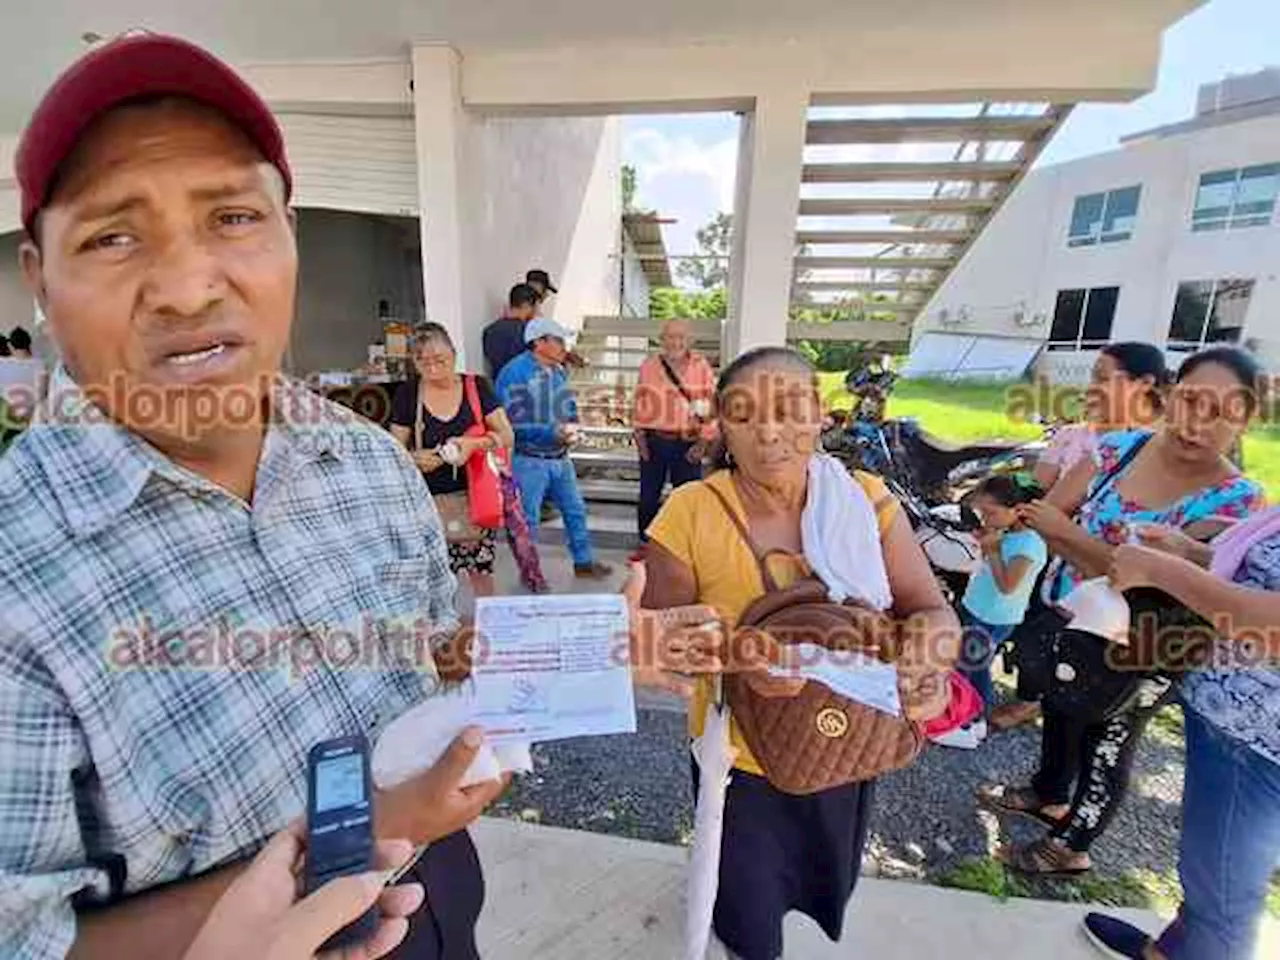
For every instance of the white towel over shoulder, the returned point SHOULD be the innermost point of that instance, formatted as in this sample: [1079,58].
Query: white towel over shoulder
[842,537]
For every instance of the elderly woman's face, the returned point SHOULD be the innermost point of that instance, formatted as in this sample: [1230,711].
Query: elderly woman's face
[1208,411]
[167,267]
[771,420]
[434,359]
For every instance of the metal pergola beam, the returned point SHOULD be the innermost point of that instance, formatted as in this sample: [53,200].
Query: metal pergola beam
[855,286]
[928,129]
[940,171]
[868,306]
[877,206]
[882,236]
[874,263]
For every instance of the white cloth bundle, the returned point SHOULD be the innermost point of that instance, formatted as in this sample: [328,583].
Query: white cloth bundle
[841,536]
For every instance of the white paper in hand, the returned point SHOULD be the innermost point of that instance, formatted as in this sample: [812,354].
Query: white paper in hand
[851,674]
[415,740]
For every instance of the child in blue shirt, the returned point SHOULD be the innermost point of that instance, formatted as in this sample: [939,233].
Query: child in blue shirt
[999,592]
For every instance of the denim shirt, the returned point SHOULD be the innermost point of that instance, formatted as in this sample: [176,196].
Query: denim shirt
[1242,700]
[538,401]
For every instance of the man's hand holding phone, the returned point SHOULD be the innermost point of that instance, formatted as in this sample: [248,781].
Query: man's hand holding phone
[433,804]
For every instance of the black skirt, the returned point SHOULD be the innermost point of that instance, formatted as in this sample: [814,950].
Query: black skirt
[782,852]
[445,927]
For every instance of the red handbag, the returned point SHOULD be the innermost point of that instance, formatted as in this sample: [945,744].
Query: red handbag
[484,487]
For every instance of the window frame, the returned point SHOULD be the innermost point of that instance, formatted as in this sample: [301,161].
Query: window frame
[1216,285]
[1098,234]
[1233,219]
[1079,343]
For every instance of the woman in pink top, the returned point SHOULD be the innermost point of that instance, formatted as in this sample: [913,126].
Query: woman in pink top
[1124,392]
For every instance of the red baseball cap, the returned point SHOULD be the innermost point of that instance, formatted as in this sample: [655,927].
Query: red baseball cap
[136,65]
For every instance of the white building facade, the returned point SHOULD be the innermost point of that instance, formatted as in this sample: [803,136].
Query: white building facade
[1172,239]
[490,124]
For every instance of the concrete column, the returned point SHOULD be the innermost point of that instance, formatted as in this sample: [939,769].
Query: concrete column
[771,154]
[441,131]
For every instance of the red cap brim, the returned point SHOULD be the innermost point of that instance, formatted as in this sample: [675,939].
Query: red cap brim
[135,66]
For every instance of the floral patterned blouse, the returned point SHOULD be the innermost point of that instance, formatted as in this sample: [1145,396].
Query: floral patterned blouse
[1110,517]
[1072,443]
[1241,697]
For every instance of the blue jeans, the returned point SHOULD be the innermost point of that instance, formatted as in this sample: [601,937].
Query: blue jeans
[540,479]
[981,641]
[1230,846]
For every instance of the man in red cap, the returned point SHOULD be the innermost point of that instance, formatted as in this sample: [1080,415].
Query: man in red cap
[208,569]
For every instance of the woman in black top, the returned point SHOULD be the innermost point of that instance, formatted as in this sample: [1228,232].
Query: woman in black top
[429,416]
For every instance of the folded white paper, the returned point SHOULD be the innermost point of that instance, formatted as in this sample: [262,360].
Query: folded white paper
[415,740]
[849,673]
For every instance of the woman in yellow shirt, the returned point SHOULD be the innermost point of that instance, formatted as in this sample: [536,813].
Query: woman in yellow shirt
[782,851]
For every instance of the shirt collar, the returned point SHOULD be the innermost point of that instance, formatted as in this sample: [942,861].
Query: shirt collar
[97,468]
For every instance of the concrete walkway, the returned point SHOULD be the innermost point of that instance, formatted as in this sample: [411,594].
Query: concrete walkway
[567,895]
[557,894]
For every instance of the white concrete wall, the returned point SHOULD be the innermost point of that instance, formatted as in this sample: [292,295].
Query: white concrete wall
[546,193]
[9,217]
[16,307]
[347,262]
[1022,258]
[635,285]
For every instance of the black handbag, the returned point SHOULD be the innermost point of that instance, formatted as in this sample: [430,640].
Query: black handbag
[1035,645]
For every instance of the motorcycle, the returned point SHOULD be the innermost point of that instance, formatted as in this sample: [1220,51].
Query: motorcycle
[930,477]
[937,471]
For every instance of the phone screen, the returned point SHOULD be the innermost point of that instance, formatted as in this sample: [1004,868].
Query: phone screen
[339,782]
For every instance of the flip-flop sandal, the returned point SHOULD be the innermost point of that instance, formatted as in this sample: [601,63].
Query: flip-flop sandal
[1017,802]
[1043,858]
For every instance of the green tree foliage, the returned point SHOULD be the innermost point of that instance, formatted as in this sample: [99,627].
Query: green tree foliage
[628,188]
[670,303]
[715,242]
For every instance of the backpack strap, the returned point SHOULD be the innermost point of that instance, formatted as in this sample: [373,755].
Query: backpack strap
[762,556]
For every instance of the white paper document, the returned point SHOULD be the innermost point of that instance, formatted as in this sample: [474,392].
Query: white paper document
[849,673]
[552,667]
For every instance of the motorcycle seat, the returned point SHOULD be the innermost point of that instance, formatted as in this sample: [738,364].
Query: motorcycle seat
[985,448]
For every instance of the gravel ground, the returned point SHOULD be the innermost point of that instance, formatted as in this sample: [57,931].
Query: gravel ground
[925,827]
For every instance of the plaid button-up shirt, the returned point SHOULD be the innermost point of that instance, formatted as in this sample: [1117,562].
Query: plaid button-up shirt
[168,652]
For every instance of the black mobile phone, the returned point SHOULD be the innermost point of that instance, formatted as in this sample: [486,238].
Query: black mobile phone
[340,838]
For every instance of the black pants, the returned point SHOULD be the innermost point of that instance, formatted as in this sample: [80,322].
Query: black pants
[1097,758]
[445,927]
[668,457]
[781,852]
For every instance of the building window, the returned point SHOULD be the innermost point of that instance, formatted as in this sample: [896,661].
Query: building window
[1082,318]
[1104,217]
[1228,199]
[1209,311]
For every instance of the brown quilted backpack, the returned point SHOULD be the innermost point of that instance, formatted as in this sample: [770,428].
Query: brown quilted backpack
[817,739]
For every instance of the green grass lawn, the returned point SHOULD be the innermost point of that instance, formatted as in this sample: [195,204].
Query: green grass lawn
[964,412]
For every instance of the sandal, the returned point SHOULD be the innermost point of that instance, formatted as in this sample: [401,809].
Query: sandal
[1046,857]
[1018,802]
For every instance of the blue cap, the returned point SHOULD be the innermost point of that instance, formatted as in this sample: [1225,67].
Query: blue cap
[540,327]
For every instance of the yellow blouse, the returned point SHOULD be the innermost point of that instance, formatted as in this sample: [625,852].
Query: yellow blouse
[694,528]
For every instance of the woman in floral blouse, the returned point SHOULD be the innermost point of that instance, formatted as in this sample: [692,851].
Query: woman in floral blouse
[1178,476]
[1231,796]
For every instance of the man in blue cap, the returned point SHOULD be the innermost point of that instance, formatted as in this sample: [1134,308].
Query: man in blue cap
[543,411]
